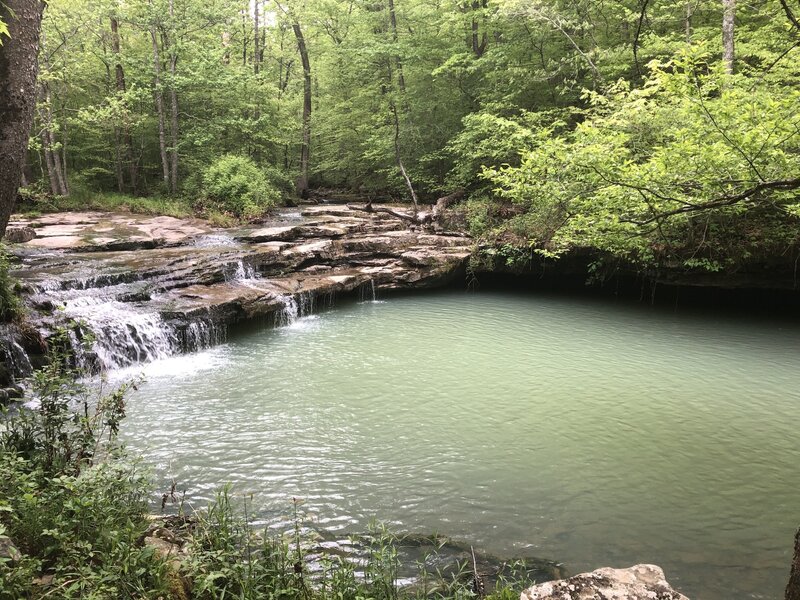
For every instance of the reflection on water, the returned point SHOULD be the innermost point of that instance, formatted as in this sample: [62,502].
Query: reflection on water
[593,434]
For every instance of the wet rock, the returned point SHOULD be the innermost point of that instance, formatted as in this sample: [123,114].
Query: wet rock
[15,392]
[8,550]
[19,235]
[6,377]
[4,399]
[149,287]
[640,582]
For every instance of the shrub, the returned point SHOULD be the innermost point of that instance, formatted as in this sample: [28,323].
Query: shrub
[235,184]
[9,302]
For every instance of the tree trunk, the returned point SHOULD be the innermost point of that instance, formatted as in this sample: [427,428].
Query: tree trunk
[55,170]
[728,15]
[126,147]
[399,157]
[162,141]
[688,22]
[478,47]
[256,40]
[18,71]
[173,95]
[302,182]
[793,587]
[401,80]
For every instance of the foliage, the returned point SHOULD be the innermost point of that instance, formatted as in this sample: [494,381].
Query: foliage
[10,305]
[236,185]
[695,165]
[71,501]
[569,123]
[230,558]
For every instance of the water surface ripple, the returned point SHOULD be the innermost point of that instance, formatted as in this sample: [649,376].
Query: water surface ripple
[571,429]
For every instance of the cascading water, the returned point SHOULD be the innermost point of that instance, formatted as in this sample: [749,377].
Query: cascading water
[295,307]
[16,357]
[243,272]
[122,334]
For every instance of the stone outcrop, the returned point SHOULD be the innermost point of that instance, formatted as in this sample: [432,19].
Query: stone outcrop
[640,582]
[150,286]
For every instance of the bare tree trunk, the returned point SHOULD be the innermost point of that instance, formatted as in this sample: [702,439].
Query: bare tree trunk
[793,587]
[162,141]
[64,146]
[401,80]
[728,16]
[478,47]
[688,22]
[55,171]
[399,158]
[256,40]
[173,95]
[302,182]
[18,71]
[58,164]
[48,161]
[126,147]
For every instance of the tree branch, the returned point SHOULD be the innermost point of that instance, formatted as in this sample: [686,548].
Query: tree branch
[782,184]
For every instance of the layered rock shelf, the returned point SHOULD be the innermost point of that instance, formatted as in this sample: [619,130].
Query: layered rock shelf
[146,287]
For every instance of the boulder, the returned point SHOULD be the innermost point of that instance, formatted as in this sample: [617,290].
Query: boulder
[640,582]
[19,235]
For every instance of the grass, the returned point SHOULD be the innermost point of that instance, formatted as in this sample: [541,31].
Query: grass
[108,202]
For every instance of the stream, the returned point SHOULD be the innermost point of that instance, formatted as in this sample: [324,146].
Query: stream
[571,428]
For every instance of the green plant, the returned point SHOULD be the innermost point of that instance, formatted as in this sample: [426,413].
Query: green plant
[72,502]
[10,305]
[235,184]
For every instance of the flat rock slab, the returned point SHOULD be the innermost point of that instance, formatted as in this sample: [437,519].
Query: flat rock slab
[108,231]
[640,582]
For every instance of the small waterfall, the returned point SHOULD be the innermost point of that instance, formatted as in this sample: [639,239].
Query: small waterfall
[289,313]
[367,292]
[295,307]
[243,273]
[202,334]
[16,358]
[123,336]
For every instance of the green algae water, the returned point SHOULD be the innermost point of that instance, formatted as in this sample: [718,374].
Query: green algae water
[574,429]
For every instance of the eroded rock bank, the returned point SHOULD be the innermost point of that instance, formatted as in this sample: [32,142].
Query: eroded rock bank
[639,582]
[148,287]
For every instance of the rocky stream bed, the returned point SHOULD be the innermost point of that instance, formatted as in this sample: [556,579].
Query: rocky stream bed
[148,287]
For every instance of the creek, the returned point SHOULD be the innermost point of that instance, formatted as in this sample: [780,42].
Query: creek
[587,431]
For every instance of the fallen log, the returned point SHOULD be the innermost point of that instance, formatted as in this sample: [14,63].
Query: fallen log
[421,218]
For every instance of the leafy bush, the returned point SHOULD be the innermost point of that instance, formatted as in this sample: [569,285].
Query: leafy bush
[235,184]
[9,302]
[70,501]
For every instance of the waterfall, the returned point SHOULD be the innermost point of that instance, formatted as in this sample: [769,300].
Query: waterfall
[295,307]
[367,292]
[16,358]
[203,334]
[124,336]
[244,274]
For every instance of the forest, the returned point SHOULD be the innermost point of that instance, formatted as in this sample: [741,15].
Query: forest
[655,132]
[216,382]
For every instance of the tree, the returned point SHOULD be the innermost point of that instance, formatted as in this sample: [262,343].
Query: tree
[18,73]
[728,24]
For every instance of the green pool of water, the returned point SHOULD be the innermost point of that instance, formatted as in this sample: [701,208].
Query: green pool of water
[592,433]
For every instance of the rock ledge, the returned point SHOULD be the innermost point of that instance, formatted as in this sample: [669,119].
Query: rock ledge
[640,582]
